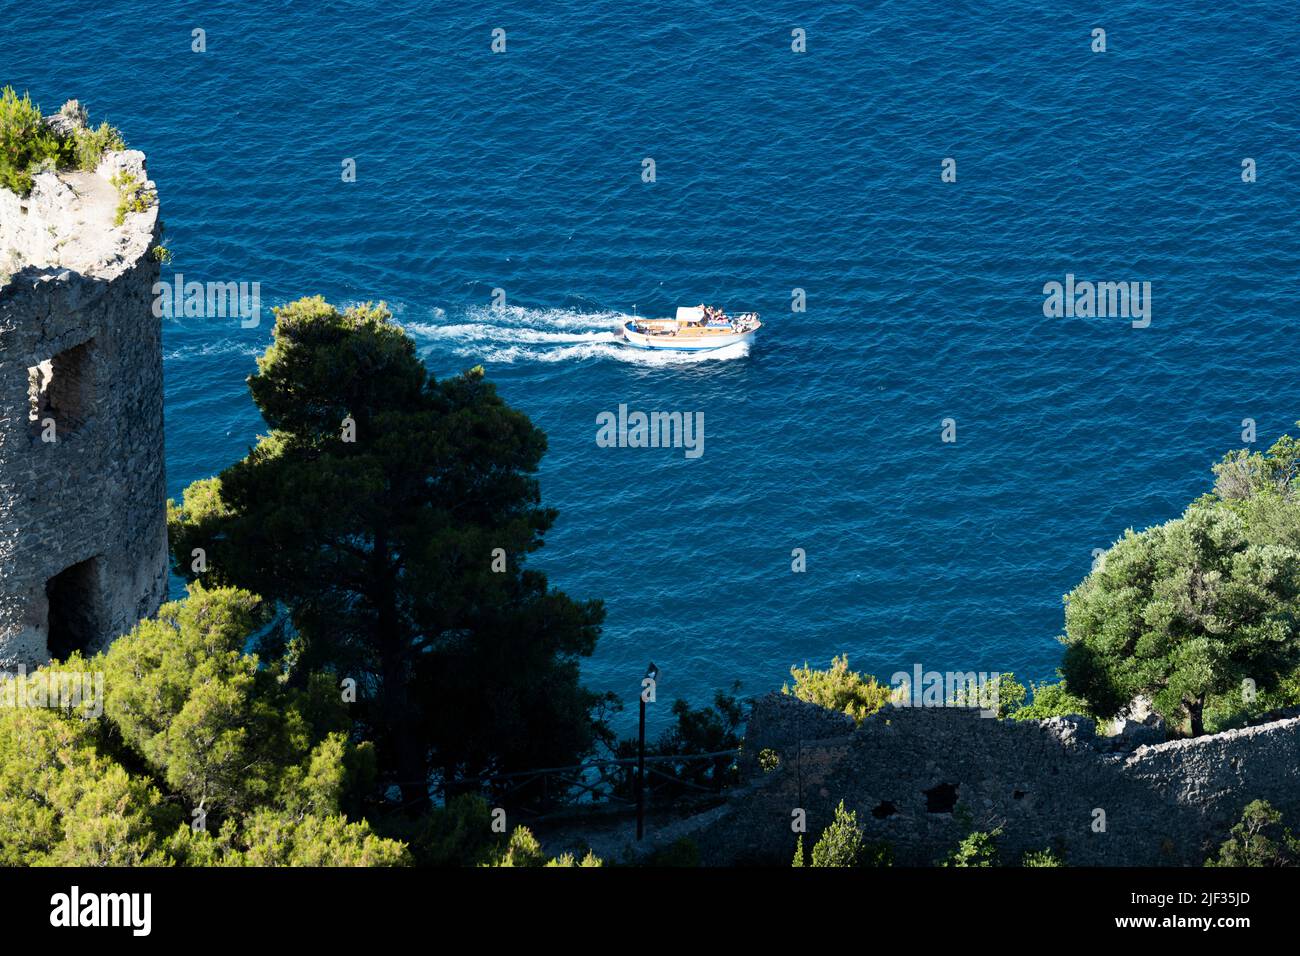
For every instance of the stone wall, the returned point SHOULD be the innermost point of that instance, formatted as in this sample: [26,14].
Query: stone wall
[922,778]
[79,347]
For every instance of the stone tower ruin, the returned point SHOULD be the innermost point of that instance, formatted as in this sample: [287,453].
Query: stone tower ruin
[83,537]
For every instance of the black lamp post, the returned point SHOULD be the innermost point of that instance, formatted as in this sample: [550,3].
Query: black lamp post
[652,674]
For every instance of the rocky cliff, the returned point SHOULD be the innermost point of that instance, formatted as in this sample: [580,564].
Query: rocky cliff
[82,496]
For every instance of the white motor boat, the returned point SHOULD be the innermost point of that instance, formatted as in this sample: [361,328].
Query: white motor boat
[696,328]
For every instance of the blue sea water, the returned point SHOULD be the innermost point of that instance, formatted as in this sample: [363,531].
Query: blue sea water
[774,171]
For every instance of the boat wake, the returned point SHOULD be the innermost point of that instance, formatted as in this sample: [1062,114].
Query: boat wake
[520,335]
[219,348]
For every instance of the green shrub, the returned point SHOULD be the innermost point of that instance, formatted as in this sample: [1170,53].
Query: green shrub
[589,859]
[132,196]
[976,849]
[457,834]
[842,844]
[1042,858]
[28,144]
[1053,700]
[89,145]
[839,689]
[1259,839]
[1010,696]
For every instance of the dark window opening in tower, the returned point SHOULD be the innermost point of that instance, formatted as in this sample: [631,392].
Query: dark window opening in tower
[59,388]
[76,617]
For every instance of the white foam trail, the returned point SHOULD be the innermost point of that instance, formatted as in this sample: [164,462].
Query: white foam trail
[511,354]
[478,332]
[220,347]
[514,316]
[519,335]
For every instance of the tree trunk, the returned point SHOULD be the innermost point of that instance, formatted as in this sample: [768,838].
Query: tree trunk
[404,738]
[400,719]
[1196,713]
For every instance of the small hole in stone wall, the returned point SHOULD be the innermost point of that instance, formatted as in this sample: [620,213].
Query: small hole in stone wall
[941,798]
[885,808]
[1017,794]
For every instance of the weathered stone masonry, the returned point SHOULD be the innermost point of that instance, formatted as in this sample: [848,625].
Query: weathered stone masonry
[83,518]
[922,778]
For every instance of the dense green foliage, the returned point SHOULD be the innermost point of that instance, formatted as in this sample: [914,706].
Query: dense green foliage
[1052,700]
[1011,695]
[235,727]
[89,145]
[1199,607]
[842,844]
[860,695]
[373,512]
[979,848]
[192,730]
[28,144]
[216,727]
[459,833]
[1259,839]
[839,689]
[1004,698]
[1233,710]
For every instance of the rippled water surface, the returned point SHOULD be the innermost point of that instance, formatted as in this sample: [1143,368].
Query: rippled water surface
[775,171]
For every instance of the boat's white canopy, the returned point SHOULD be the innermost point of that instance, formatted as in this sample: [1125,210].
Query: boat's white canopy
[689,313]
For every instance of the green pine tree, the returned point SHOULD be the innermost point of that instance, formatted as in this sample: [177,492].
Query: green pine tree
[392,515]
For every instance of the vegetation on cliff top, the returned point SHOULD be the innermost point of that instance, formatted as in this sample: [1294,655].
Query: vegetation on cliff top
[29,144]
